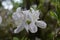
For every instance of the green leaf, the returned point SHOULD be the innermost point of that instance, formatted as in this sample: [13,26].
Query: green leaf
[53,14]
[58,12]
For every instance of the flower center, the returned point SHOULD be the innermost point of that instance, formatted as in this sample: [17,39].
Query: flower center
[28,22]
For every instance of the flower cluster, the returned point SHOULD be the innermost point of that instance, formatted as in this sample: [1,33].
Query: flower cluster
[27,19]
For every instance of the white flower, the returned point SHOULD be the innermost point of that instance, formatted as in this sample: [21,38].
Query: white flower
[27,19]
[41,24]
[17,1]
[0,19]
[7,5]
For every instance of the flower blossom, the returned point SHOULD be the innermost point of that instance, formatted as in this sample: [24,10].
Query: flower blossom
[7,4]
[27,19]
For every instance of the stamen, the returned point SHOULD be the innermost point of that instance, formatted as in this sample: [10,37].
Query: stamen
[28,22]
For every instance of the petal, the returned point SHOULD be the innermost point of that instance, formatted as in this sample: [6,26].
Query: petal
[33,28]
[18,29]
[27,15]
[35,14]
[0,19]
[34,6]
[18,18]
[18,9]
[26,26]
[26,12]
[41,24]
[14,16]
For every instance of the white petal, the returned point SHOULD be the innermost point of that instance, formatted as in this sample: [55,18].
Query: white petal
[34,6]
[35,14]
[27,15]
[18,29]
[26,27]
[0,19]
[26,12]
[41,24]
[33,28]
[32,9]
[18,18]
[18,9]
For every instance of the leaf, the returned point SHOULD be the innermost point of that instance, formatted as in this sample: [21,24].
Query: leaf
[58,12]
[53,15]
